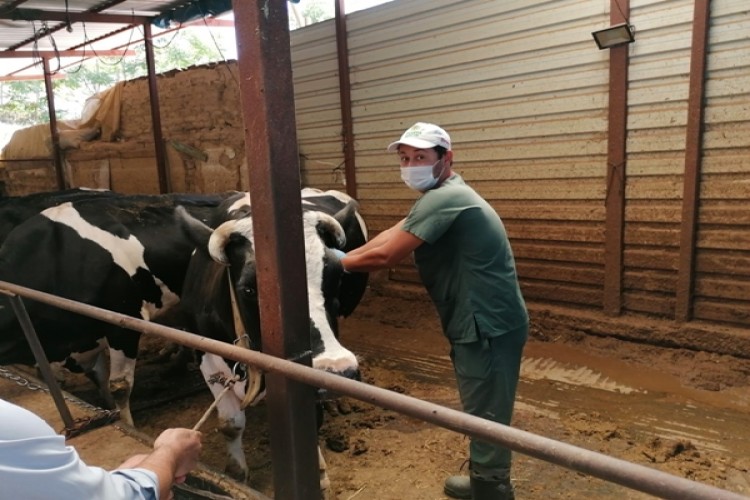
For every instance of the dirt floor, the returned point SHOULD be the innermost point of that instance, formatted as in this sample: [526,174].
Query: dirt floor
[675,410]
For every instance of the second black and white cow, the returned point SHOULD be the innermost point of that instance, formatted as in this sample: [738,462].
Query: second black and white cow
[330,221]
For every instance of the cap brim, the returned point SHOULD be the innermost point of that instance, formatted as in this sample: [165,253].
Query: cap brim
[413,142]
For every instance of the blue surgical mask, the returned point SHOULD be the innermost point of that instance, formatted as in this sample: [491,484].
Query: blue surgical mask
[420,178]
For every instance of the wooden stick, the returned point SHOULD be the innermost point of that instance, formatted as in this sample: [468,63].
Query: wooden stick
[205,416]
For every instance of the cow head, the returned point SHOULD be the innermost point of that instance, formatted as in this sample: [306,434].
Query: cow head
[232,245]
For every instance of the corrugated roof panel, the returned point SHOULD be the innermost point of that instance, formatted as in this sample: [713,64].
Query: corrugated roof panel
[54,36]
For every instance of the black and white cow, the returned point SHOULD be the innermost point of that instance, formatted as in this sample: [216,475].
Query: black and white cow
[16,209]
[330,220]
[122,253]
[131,255]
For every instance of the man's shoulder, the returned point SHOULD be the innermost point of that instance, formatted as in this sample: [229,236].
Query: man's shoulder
[453,191]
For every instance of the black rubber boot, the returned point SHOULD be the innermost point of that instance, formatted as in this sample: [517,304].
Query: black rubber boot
[485,489]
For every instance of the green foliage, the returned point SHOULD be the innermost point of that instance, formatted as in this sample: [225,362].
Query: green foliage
[310,12]
[23,102]
[317,11]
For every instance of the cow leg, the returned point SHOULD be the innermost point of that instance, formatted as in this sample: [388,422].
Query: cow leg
[95,364]
[325,483]
[121,377]
[230,413]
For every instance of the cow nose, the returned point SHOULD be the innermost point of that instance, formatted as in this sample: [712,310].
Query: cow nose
[326,394]
[352,373]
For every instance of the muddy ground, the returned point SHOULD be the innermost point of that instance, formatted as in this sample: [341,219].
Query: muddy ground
[676,410]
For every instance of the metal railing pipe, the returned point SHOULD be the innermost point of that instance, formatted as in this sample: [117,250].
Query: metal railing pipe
[630,475]
[41,359]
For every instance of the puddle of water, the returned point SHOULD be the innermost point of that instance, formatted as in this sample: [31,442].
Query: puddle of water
[550,369]
[567,364]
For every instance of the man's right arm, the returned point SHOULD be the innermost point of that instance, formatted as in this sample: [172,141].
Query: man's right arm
[384,253]
[176,453]
[382,238]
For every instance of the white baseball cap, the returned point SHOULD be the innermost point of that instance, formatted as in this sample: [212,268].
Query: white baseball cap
[423,136]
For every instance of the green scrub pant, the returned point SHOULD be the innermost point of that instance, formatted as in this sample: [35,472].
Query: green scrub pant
[487,372]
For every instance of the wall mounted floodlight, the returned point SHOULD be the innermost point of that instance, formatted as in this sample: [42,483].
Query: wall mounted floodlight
[614,35]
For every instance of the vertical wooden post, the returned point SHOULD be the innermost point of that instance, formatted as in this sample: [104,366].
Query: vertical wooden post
[616,162]
[693,154]
[153,89]
[54,134]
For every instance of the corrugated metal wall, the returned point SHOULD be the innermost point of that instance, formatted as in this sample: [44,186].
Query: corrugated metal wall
[523,90]
[722,290]
[659,73]
[527,113]
[316,89]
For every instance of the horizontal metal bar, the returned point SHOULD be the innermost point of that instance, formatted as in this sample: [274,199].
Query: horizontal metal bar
[630,475]
[51,54]
[55,76]
[73,17]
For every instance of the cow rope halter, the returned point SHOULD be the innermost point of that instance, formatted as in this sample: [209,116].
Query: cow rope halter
[253,374]
[228,384]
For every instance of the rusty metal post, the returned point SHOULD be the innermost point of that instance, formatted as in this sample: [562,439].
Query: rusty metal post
[41,359]
[153,92]
[693,159]
[267,96]
[345,98]
[614,242]
[56,153]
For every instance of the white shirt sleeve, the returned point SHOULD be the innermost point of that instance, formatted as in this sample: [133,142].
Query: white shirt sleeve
[35,463]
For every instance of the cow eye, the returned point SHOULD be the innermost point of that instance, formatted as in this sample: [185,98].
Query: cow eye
[248,291]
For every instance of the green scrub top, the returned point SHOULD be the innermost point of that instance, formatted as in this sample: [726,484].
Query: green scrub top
[466,263]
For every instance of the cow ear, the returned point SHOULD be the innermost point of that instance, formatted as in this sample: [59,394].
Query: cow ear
[328,228]
[346,214]
[197,232]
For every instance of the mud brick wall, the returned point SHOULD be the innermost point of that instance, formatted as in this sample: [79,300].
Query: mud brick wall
[202,128]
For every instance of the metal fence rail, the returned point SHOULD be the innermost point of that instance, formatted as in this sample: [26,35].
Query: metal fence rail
[630,475]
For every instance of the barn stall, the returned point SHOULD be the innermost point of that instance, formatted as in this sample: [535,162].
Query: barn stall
[639,212]
[621,174]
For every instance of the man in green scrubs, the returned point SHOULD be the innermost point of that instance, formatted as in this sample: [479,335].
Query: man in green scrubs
[466,263]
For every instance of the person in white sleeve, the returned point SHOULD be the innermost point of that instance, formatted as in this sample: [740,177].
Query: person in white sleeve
[36,463]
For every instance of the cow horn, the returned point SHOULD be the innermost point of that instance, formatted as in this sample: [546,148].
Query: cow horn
[328,228]
[222,235]
[253,387]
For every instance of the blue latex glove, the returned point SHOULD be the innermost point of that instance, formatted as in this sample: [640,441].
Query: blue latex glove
[340,255]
